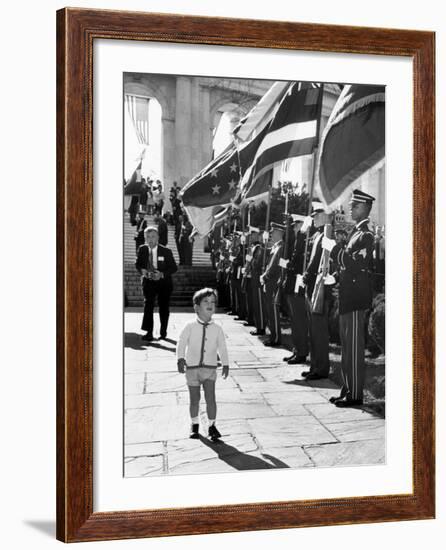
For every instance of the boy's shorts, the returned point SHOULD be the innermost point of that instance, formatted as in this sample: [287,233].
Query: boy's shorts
[196,376]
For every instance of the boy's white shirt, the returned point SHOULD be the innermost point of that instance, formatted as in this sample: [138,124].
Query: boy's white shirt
[190,340]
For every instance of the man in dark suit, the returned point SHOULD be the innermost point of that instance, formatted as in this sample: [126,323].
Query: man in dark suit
[355,297]
[156,265]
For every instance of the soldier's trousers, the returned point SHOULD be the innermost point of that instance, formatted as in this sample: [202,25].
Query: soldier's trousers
[319,340]
[258,305]
[248,301]
[272,314]
[297,309]
[240,299]
[351,328]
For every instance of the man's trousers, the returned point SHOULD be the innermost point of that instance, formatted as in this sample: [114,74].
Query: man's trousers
[297,309]
[351,328]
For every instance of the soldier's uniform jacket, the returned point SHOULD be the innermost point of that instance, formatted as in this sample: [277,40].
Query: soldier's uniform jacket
[311,272]
[256,264]
[295,265]
[237,263]
[272,271]
[353,264]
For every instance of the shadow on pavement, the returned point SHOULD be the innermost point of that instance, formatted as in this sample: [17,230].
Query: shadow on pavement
[133,340]
[156,344]
[241,461]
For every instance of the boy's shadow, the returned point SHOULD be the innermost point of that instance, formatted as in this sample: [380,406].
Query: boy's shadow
[241,461]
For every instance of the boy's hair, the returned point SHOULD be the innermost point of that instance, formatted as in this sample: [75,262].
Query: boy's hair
[202,294]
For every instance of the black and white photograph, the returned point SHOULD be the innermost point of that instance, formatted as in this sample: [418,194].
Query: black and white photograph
[254,274]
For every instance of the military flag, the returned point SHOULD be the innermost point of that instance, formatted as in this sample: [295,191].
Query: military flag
[352,142]
[293,131]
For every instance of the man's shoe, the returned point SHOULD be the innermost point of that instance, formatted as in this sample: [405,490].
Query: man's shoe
[194,432]
[315,376]
[147,337]
[257,333]
[335,398]
[214,434]
[305,373]
[343,403]
[271,344]
[289,358]
[297,360]
[162,337]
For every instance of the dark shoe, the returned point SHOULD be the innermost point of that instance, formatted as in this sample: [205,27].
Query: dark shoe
[194,432]
[162,337]
[214,434]
[271,344]
[239,318]
[315,376]
[257,333]
[335,398]
[247,324]
[147,337]
[305,373]
[343,403]
[297,360]
[289,357]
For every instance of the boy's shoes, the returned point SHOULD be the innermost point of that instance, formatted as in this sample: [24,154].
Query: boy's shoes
[194,432]
[214,434]
[147,337]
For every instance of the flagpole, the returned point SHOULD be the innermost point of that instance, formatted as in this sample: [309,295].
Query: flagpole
[313,176]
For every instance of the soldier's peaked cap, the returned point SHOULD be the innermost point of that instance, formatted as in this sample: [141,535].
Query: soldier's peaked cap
[360,196]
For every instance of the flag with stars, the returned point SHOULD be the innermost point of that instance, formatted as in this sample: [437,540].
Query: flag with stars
[216,184]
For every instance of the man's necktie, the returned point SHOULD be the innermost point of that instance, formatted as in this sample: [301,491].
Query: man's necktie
[150,260]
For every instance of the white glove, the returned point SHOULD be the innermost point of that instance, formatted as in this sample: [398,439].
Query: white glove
[329,280]
[307,223]
[328,244]
[299,283]
[283,262]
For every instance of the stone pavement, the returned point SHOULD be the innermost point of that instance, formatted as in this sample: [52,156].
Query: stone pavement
[269,416]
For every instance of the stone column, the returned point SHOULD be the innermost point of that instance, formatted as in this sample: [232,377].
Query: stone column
[168,155]
[205,127]
[183,122]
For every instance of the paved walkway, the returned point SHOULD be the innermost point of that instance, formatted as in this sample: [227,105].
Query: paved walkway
[269,416]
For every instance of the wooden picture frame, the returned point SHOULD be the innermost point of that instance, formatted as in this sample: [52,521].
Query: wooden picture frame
[76,31]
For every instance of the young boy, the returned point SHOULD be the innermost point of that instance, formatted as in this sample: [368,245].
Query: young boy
[198,345]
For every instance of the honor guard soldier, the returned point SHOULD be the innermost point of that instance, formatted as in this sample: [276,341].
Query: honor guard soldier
[258,296]
[246,281]
[294,291]
[355,297]
[318,321]
[270,279]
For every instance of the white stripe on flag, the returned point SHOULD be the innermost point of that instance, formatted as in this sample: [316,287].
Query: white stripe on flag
[291,132]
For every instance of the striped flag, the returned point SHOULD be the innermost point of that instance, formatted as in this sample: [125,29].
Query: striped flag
[352,142]
[292,132]
[282,125]
[138,109]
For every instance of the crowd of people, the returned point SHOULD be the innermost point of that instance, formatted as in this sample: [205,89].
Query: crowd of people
[151,202]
